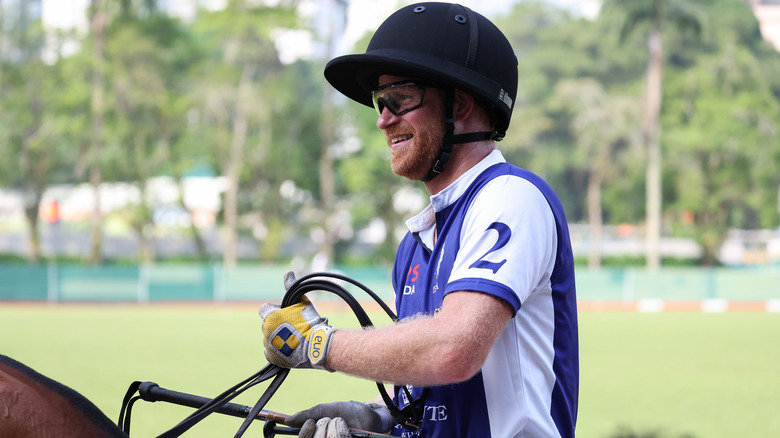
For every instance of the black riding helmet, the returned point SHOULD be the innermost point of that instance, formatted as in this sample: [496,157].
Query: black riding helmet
[448,44]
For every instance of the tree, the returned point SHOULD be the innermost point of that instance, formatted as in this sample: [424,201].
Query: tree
[98,19]
[602,125]
[231,88]
[29,130]
[280,193]
[328,135]
[100,158]
[653,15]
[722,118]
[552,46]
[146,56]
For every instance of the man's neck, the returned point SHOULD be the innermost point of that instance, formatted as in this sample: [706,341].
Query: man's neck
[464,157]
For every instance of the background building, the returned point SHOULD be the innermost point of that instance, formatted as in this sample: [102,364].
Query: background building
[768,14]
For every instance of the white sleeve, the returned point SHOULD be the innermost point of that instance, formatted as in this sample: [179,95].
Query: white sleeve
[508,242]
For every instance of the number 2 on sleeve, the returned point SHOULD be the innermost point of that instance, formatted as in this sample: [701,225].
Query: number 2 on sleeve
[504,233]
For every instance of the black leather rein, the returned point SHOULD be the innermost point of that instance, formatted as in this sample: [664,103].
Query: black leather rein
[149,391]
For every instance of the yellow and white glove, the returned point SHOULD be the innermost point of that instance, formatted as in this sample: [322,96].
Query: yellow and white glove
[296,336]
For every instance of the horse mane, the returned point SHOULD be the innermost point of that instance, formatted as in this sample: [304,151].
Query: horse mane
[91,412]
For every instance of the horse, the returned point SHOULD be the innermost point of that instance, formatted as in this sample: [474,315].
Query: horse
[35,406]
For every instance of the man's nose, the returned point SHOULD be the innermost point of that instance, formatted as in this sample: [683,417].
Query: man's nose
[386,118]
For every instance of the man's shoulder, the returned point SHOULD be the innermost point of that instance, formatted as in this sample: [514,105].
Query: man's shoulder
[516,178]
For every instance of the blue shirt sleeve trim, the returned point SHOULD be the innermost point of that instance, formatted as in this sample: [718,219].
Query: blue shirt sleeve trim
[489,287]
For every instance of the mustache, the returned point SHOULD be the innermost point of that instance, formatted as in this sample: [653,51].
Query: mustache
[394,131]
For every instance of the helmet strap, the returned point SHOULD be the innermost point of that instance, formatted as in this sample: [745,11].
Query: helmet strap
[450,138]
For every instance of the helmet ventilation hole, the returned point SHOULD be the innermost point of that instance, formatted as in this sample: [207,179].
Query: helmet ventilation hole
[419,9]
[460,19]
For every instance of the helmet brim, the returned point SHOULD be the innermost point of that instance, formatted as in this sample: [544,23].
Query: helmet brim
[356,76]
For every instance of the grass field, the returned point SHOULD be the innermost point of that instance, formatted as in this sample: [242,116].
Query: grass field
[661,375]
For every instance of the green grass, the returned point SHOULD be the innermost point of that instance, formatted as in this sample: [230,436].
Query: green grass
[680,374]
[664,375]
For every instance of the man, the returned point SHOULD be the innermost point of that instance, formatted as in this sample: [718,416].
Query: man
[487,344]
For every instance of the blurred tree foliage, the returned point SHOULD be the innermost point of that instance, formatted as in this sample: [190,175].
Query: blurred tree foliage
[173,96]
[235,91]
[32,127]
[719,119]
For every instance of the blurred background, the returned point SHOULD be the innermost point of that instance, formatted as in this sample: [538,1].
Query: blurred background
[188,152]
[152,145]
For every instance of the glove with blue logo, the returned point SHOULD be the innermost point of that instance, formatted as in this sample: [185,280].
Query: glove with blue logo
[295,336]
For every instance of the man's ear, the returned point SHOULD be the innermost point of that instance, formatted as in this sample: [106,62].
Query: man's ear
[464,104]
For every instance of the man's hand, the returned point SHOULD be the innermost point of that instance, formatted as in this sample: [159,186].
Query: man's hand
[295,336]
[325,428]
[331,419]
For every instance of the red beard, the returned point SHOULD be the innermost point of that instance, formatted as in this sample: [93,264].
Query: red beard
[414,160]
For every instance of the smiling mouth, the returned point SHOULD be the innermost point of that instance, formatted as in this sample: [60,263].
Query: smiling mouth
[395,140]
